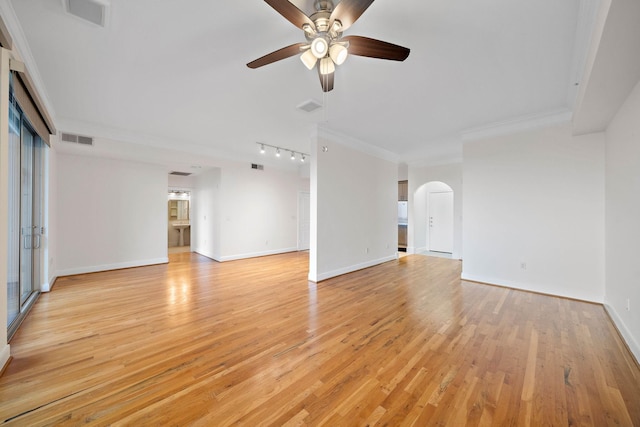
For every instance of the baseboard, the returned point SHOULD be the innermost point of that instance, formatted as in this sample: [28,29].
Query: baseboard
[351,268]
[115,266]
[626,335]
[521,287]
[47,286]
[5,356]
[209,255]
[255,254]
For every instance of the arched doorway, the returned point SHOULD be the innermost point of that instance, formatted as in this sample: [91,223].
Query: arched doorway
[433,213]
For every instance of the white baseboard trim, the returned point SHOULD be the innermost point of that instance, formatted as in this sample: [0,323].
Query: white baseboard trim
[410,250]
[206,254]
[5,354]
[115,266]
[351,268]
[523,287]
[624,331]
[47,286]
[256,254]
[422,249]
[224,258]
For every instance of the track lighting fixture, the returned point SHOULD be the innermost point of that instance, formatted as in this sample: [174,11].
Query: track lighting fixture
[262,147]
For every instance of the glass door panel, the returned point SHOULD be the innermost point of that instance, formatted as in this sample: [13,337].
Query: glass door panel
[25,216]
[27,226]
[14,231]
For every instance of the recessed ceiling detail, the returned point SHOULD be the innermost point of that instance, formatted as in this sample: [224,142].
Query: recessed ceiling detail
[94,11]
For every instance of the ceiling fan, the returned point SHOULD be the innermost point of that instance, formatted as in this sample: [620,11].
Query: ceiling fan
[326,47]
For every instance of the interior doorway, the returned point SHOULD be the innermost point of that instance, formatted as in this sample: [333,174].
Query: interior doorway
[433,224]
[179,221]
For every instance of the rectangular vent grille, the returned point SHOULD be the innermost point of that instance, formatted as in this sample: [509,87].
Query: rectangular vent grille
[309,106]
[94,11]
[76,139]
[180,173]
[257,166]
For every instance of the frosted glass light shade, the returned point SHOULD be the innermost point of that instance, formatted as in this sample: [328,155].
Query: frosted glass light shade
[319,47]
[338,53]
[326,66]
[308,59]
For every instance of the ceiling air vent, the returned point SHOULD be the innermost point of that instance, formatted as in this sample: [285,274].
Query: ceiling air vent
[309,106]
[180,173]
[257,166]
[76,139]
[94,11]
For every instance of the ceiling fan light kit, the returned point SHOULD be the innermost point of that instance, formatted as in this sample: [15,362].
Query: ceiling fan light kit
[326,66]
[326,47]
[308,59]
[338,53]
[319,47]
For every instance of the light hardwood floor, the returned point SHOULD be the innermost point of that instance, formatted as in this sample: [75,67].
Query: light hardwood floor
[253,343]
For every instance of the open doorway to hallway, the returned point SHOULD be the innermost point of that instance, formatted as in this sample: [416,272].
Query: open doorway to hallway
[179,222]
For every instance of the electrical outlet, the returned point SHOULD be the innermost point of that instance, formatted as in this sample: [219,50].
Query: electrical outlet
[628,304]
[523,265]
[366,251]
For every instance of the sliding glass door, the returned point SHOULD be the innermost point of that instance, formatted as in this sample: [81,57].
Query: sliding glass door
[25,216]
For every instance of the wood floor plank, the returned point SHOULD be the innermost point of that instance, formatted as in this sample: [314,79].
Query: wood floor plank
[252,342]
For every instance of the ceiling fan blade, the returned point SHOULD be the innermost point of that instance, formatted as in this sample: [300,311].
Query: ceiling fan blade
[364,46]
[348,11]
[326,80]
[279,54]
[291,12]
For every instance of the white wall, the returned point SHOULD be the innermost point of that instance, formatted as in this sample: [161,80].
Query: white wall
[249,212]
[354,208]
[536,197]
[182,182]
[418,176]
[50,239]
[111,214]
[205,214]
[623,220]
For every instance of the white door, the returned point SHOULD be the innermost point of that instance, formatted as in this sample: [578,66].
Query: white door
[304,221]
[441,222]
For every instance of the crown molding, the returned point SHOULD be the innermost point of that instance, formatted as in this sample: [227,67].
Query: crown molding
[22,50]
[518,124]
[354,143]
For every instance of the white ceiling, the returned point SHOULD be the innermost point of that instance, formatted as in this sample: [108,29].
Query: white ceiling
[171,74]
